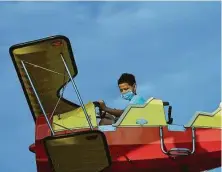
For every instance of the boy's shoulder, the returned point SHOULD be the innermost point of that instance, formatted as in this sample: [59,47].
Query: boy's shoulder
[137,99]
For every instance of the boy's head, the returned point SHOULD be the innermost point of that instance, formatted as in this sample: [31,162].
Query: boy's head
[127,83]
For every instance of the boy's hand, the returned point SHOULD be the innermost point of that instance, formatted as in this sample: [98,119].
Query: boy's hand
[102,104]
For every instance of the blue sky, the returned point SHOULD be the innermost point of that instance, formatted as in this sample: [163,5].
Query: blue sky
[173,48]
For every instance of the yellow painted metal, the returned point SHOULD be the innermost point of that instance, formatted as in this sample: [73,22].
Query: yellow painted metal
[152,112]
[41,57]
[78,152]
[205,119]
[76,118]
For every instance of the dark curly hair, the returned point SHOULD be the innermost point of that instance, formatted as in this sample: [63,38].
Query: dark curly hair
[127,78]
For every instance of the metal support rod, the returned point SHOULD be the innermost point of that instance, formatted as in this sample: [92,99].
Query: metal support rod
[38,99]
[49,70]
[55,108]
[78,95]
[162,141]
[193,140]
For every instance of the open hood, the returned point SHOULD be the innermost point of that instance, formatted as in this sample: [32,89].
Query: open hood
[42,59]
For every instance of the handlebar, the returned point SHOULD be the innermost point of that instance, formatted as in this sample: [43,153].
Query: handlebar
[170,119]
[97,104]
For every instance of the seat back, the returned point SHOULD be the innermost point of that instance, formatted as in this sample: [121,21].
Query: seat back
[206,119]
[149,114]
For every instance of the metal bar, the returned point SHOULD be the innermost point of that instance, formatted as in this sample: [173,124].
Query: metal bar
[57,103]
[55,108]
[47,120]
[161,141]
[77,92]
[44,68]
[193,140]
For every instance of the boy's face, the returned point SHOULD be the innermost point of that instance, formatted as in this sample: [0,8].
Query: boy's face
[125,87]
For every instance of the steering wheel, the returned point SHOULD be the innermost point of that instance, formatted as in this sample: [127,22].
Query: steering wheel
[101,113]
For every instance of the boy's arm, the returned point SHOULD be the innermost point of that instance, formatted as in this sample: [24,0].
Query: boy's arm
[115,112]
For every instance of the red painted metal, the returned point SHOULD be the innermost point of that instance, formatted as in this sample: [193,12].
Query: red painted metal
[138,149]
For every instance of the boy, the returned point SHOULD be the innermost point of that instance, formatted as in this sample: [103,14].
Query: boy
[127,87]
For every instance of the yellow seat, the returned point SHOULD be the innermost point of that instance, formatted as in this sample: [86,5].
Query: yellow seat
[152,112]
[206,119]
[75,119]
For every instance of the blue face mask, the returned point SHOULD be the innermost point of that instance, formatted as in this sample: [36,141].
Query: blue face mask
[128,95]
